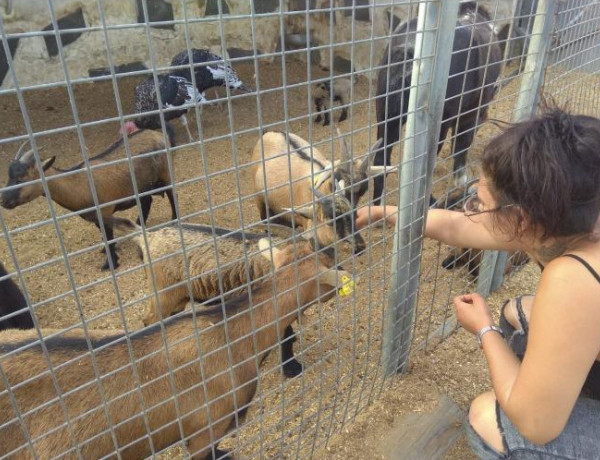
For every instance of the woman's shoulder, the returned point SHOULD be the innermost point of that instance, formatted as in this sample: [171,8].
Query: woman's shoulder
[574,269]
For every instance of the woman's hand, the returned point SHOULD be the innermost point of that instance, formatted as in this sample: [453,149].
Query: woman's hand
[369,214]
[472,312]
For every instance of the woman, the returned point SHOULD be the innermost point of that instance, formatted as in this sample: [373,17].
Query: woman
[539,192]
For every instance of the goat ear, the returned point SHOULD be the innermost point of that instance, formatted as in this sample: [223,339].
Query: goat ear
[47,163]
[304,211]
[265,247]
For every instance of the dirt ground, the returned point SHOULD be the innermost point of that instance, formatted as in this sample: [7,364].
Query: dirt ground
[340,341]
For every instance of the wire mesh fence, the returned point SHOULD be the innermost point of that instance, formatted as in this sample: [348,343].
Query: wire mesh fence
[246,166]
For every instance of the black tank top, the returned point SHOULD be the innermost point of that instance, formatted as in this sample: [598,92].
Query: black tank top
[591,387]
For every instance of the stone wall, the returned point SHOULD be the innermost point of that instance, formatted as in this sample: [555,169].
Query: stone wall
[35,52]
[89,29]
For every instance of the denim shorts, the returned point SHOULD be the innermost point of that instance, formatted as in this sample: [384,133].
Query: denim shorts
[579,440]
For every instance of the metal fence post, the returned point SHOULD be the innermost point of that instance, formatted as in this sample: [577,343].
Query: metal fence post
[492,267]
[433,48]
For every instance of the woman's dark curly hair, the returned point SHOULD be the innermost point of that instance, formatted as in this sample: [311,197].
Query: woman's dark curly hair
[549,167]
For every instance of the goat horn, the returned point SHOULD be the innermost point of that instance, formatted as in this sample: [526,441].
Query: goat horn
[27,157]
[345,150]
[318,194]
[364,166]
[322,177]
[20,151]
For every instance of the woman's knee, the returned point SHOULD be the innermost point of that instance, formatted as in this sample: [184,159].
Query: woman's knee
[483,419]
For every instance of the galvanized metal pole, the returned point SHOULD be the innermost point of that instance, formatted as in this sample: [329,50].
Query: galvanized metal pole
[433,48]
[491,272]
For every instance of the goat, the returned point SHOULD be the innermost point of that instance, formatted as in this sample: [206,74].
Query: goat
[11,301]
[281,161]
[112,182]
[474,68]
[325,96]
[471,258]
[197,389]
[217,268]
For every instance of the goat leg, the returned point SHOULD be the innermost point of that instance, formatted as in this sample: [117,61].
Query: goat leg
[112,250]
[465,133]
[291,366]
[344,114]
[145,204]
[319,109]
[185,124]
[171,198]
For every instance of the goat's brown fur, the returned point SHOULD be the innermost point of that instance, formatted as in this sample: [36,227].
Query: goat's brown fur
[221,266]
[297,284]
[112,182]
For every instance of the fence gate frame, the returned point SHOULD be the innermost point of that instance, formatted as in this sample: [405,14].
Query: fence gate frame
[433,52]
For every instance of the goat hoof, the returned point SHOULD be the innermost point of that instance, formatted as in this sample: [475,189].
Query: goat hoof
[449,262]
[106,265]
[292,368]
[221,454]
[433,204]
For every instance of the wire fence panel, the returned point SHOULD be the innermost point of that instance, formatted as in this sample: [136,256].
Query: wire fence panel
[179,182]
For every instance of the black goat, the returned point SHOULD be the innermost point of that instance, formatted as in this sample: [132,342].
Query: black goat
[12,300]
[474,68]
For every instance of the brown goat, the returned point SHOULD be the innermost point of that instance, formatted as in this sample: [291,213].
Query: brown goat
[282,162]
[218,267]
[113,182]
[195,392]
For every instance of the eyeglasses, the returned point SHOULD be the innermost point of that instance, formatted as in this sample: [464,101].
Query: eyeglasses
[473,206]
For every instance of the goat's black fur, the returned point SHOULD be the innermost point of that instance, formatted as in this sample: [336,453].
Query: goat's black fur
[12,300]
[474,68]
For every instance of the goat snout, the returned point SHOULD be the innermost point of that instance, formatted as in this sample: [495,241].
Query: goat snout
[8,202]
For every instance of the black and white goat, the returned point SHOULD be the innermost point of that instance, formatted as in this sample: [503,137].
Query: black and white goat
[326,95]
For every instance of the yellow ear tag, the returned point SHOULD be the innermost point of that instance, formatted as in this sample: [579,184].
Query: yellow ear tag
[347,286]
